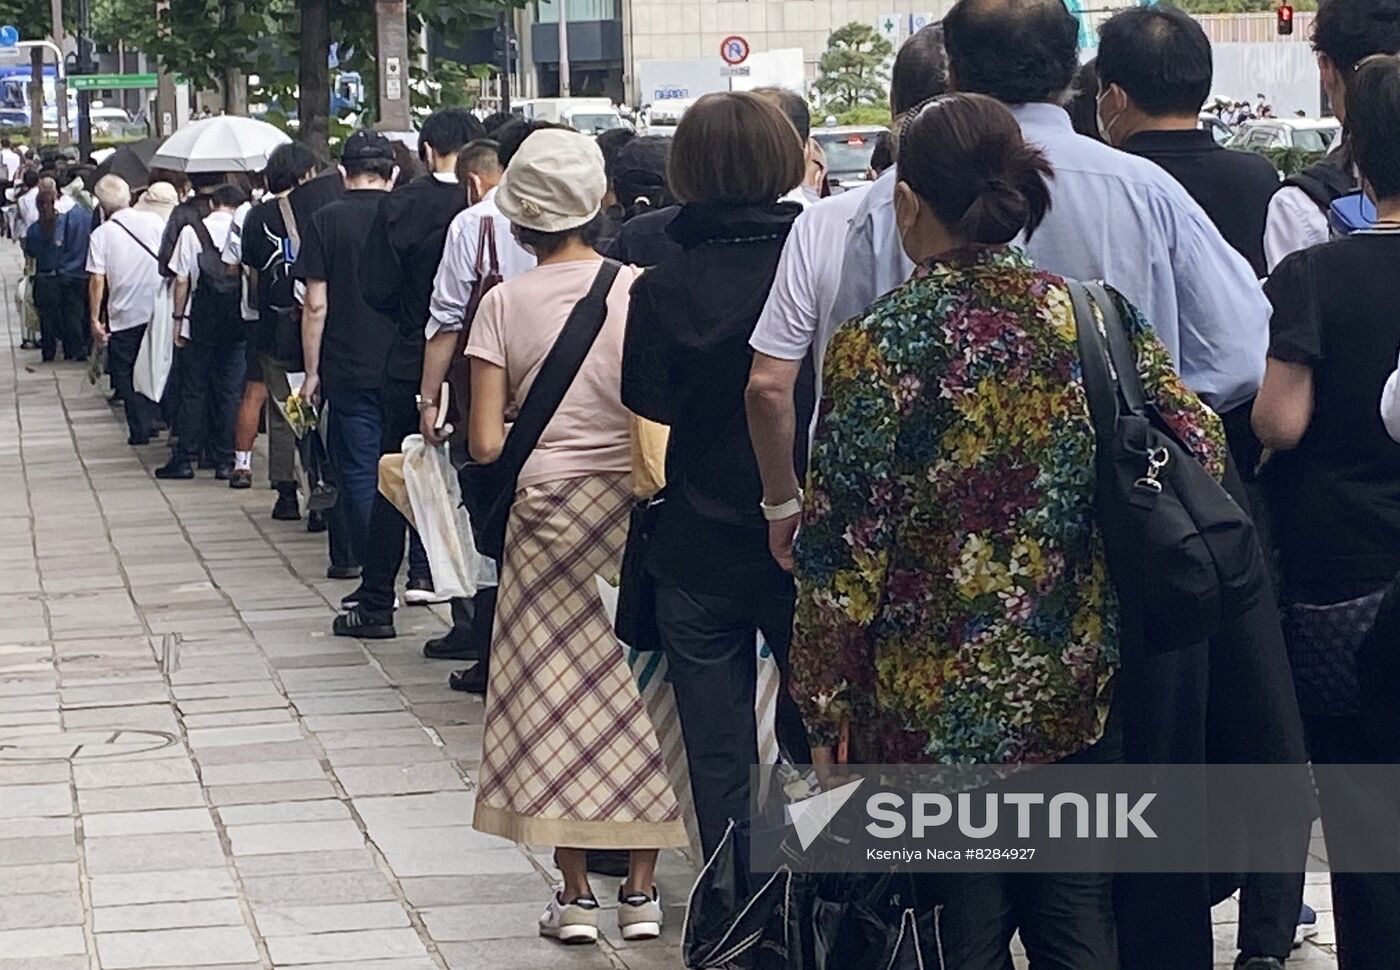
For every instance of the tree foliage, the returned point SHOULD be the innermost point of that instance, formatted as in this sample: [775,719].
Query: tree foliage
[852,69]
[1239,6]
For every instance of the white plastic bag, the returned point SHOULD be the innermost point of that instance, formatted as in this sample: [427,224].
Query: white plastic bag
[442,523]
[157,348]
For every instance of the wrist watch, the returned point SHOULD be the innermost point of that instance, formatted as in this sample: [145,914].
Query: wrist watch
[783,510]
[423,403]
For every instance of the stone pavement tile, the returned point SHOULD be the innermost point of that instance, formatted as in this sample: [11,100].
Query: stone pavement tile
[203,692]
[404,812]
[488,921]
[36,773]
[344,860]
[407,963]
[304,920]
[257,772]
[459,854]
[255,734]
[34,828]
[239,754]
[147,717]
[319,888]
[277,812]
[423,892]
[59,877]
[138,799]
[267,715]
[9,719]
[22,801]
[48,941]
[348,657]
[167,916]
[525,954]
[333,948]
[217,705]
[295,837]
[38,851]
[360,722]
[47,909]
[400,780]
[44,963]
[176,948]
[333,740]
[170,886]
[127,773]
[147,853]
[148,823]
[413,754]
[281,791]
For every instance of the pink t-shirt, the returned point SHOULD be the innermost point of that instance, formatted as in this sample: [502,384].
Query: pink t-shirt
[516,326]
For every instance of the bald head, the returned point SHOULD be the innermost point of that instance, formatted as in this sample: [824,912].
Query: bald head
[1017,51]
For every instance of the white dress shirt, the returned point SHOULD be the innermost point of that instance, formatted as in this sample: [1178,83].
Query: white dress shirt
[1294,223]
[133,276]
[456,274]
[1125,220]
[28,209]
[10,163]
[185,262]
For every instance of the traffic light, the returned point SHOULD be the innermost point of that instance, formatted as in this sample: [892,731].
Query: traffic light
[1285,19]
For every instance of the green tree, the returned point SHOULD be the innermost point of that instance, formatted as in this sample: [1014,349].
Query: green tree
[852,69]
[32,21]
[1239,6]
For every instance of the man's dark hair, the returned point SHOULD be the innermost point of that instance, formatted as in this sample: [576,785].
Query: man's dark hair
[920,70]
[446,131]
[544,243]
[228,196]
[382,168]
[205,182]
[1083,103]
[287,165]
[512,136]
[793,105]
[5,142]
[1348,31]
[493,122]
[1160,56]
[610,143]
[30,178]
[1373,124]
[1017,51]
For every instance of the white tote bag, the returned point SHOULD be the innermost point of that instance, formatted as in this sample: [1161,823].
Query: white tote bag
[157,347]
[442,523]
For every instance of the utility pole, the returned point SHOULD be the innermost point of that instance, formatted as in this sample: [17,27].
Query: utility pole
[163,124]
[391,30]
[85,66]
[60,86]
[564,69]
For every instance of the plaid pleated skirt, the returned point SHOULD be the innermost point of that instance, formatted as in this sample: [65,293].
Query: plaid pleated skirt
[569,755]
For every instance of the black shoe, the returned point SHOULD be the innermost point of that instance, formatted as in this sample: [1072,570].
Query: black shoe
[454,645]
[176,468]
[46,358]
[114,398]
[206,464]
[420,592]
[471,680]
[365,626]
[286,509]
[224,472]
[137,440]
[315,522]
[343,572]
[1259,963]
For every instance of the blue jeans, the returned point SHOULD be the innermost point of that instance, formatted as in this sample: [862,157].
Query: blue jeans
[353,444]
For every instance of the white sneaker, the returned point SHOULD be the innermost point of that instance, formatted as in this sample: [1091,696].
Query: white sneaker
[574,922]
[639,916]
[420,592]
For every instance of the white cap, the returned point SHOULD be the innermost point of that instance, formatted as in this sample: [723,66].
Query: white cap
[554,183]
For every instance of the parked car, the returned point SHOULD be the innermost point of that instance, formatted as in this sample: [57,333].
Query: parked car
[1220,131]
[847,150]
[1308,134]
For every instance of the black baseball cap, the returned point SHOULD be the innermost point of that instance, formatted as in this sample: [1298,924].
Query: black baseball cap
[364,145]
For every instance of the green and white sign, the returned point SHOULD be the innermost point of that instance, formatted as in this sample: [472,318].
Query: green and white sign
[110,82]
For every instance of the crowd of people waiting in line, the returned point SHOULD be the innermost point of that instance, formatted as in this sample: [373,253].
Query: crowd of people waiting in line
[880,452]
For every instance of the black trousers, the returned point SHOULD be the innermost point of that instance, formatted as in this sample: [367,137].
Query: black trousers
[1366,905]
[384,547]
[122,349]
[62,306]
[211,386]
[711,650]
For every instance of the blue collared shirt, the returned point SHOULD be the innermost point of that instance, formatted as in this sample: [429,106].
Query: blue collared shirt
[1117,218]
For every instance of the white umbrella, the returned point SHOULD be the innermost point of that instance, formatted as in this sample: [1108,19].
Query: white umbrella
[223,144]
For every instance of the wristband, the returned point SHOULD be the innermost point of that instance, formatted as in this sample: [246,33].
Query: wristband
[784,510]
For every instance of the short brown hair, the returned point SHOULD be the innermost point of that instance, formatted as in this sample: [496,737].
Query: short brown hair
[736,149]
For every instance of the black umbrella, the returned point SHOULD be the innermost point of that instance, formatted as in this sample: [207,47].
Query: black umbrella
[131,163]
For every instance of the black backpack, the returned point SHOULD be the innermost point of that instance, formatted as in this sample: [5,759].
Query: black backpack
[216,315]
[214,274]
[1182,554]
[1326,181]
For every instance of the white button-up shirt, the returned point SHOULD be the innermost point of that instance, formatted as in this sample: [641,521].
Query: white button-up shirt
[456,274]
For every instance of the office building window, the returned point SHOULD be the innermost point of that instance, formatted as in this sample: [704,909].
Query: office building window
[547,11]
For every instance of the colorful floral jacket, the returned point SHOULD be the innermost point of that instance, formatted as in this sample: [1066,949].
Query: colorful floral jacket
[953,601]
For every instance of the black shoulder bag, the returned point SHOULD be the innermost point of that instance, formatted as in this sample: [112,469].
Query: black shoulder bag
[489,489]
[1182,554]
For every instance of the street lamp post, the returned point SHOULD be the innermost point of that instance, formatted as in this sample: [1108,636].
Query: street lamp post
[60,83]
[564,69]
[84,65]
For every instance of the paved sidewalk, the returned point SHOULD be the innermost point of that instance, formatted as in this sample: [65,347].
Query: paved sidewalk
[284,798]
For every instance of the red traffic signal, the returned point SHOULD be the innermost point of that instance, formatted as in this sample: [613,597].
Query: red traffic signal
[1285,19]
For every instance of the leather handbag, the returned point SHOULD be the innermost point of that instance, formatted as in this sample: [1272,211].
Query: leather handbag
[635,623]
[489,489]
[488,276]
[1182,554]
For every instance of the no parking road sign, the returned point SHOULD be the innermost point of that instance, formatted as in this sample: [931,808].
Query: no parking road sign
[734,50]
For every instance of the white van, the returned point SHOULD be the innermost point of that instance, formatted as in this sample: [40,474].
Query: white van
[592,116]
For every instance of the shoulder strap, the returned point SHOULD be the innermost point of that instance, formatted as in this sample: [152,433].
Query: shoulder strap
[206,241]
[289,222]
[137,239]
[1099,386]
[1120,350]
[558,371]
[1323,182]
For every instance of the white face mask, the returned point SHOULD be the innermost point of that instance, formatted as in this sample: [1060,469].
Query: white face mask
[1105,127]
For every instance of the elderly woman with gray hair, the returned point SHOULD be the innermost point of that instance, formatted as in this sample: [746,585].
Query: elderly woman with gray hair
[571,759]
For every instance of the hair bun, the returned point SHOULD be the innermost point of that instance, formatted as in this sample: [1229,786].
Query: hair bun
[997,214]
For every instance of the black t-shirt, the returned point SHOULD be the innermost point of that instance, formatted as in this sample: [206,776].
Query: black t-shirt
[1336,496]
[400,262]
[264,235]
[357,338]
